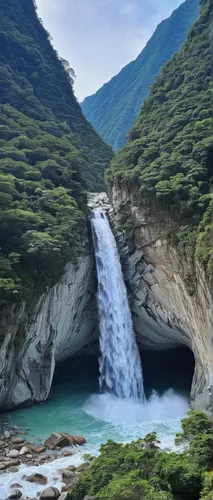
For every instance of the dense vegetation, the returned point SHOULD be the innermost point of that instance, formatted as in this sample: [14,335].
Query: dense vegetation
[49,155]
[34,81]
[141,470]
[169,154]
[115,107]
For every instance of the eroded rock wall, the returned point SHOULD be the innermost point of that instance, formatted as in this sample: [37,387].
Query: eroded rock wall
[63,323]
[170,296]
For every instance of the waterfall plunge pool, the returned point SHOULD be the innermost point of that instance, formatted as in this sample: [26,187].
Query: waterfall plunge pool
[75,407]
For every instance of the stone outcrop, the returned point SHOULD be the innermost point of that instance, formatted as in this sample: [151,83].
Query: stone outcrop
[62,323]
[170,297]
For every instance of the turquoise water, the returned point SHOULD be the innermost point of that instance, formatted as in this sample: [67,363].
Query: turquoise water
[76,407]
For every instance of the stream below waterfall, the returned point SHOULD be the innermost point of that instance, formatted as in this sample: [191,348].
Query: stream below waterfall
[76,407]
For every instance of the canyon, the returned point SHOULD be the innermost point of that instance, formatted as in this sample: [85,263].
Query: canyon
[167,314]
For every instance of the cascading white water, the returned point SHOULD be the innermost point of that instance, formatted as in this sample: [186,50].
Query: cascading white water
[120,366]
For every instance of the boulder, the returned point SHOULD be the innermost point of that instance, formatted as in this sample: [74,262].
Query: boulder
[68,474]
[36,478]
[12,463]
[79,440]
[69,438]
[67,453]
[24,450]
[13,469]
[71,467]
[6,434]
[15,495]
[38,449]
[56,440]
[17,440]
[3,465]
[16,486]
[50,494]
[74,440]
[13,454]
[20,446]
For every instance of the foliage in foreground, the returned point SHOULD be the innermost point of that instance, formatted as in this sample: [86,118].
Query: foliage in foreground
[141,470]
[168,158]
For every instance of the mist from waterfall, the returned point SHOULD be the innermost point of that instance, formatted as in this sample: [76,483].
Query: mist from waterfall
[120,365]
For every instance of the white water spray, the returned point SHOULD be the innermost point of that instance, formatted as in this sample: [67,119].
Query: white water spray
[120,366]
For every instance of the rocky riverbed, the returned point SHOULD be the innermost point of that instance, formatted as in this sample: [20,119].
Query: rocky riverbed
[18,454]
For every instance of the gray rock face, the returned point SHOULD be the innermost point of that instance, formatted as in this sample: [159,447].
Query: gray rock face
[62,323]
[170,301]
[170,297]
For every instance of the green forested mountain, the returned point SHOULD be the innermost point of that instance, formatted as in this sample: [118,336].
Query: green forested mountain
[49,154]
[169,154]
[34,81]
[114,108]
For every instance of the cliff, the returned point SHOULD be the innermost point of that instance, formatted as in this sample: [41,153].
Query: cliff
[115,107]
[62,323]
[160,186]
[169,294]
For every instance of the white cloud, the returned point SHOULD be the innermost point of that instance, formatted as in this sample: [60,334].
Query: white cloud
[99,37]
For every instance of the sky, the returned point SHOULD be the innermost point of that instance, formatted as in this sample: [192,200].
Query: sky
[99,37]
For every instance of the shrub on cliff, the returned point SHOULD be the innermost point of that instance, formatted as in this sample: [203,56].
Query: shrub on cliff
[142,470]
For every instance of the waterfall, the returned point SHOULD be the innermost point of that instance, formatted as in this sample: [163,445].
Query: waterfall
[120,366]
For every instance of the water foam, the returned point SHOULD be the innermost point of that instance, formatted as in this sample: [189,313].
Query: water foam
[131,420]
[50,470]
[118,411]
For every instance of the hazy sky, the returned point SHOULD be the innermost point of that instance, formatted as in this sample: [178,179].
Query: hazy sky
[99,37]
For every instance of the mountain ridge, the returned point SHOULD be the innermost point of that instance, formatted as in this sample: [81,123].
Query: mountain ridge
[113,109]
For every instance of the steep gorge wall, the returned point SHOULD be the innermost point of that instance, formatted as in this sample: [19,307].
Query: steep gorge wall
[170,297]
[167,312]
[63,323]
